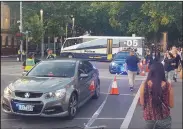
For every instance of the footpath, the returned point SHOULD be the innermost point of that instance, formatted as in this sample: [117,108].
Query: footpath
[137,121]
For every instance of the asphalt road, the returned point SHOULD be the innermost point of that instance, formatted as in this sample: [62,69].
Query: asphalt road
[116,112]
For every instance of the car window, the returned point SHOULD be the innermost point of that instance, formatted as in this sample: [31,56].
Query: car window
[53,69]
[121,55]
[89,66]
[81,68]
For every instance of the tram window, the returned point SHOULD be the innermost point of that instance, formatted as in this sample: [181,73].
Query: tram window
[70,42]
[88,39]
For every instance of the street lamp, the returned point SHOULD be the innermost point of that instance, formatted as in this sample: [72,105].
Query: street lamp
[42,40]
[73,21]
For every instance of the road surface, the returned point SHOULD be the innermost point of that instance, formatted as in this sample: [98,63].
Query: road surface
[112,112]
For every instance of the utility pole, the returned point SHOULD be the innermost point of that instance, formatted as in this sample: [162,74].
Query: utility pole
[73,22]
[66,30]
[42,39]
[21,29]
[26,43]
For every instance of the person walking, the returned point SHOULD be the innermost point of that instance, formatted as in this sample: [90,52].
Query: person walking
[152,59]
[156,98]
[169,65]
[19,55]
[132,67]
[177,60]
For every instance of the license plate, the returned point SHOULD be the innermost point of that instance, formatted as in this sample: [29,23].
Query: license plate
[25,107]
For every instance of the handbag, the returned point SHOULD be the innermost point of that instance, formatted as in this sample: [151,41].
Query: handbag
[179,67]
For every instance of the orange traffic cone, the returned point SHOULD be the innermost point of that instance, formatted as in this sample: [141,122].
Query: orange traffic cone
[114,90]
[142,73]
[92,86]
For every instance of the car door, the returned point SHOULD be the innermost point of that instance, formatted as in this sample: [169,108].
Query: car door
[83,82]
[90,71]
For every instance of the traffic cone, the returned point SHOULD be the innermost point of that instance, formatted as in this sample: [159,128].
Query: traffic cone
[114,90]
[92,86]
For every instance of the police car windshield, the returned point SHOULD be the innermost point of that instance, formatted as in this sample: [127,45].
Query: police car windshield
[121,55]
[53,69]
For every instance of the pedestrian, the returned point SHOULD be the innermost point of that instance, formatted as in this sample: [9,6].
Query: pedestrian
[132,67]
[30,62]
[177,60]
[153,58]
[148,57]
[169,65]
[19,55]
[23,55]
[157,97]
[50,54]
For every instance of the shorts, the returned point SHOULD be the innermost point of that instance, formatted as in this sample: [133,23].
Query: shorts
[159,124]
[169,75]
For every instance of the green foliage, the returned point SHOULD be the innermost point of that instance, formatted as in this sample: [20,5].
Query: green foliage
[103,18]
[34,25]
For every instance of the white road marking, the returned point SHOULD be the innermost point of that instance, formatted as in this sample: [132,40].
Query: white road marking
[123,77]
[95,115]
[9,119]
[119,94]
[77,118]
[102,77]
[83,118]
[130,112]
[11,74]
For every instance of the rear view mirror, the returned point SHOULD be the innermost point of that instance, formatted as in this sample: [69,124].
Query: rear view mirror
[82,75]
[24,73]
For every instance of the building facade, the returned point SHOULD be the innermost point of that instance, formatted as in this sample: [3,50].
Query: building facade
[8,40]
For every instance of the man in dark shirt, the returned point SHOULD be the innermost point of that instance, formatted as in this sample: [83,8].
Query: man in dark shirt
[132,66]
[153,59]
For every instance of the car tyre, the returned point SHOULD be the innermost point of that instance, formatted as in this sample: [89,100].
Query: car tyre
[72,109]
[111,72]
[97,91]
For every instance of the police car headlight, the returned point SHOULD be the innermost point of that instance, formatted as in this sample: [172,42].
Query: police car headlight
[7,91]
[56,94]
[113,64]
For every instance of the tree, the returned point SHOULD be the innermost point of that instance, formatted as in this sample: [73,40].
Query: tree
[163,16]
[34,25]
[105,18]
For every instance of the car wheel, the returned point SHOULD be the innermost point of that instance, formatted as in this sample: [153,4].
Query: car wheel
[72,109]
[111,72]
[97,91]
[70,56]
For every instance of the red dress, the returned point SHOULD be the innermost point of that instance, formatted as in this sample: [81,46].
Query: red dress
[148,113]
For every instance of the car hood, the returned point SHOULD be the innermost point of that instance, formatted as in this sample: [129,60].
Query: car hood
[119,61]
[39,84]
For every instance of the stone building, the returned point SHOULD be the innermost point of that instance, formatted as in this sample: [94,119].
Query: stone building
[8,40]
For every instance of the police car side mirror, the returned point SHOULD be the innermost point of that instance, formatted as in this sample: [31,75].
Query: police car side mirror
[24,73]
[82,75]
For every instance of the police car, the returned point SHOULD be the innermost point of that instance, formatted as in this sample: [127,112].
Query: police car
[118,64]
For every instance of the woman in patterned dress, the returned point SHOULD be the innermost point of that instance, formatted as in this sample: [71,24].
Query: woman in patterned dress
[156,97]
